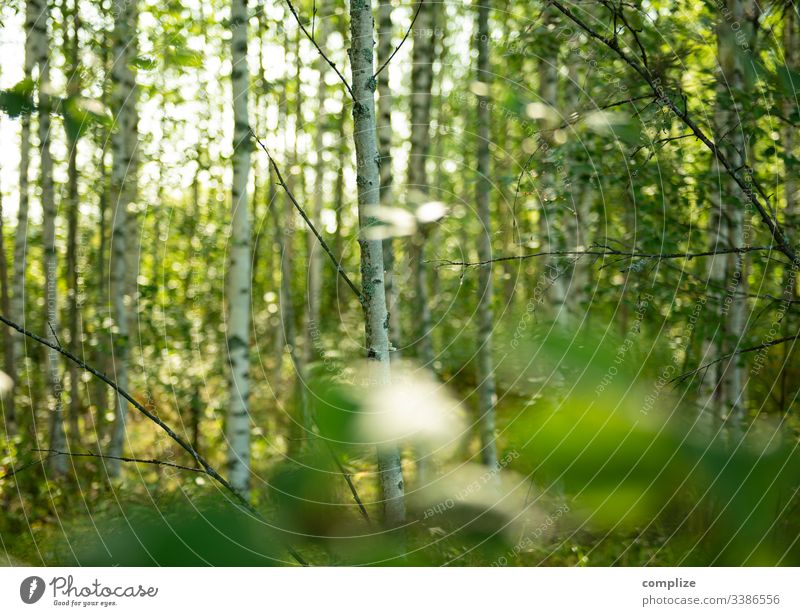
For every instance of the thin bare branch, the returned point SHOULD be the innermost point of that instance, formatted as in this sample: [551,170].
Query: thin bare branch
[396,49]
[25,467]
[765,345]
[89,454]
[310,37]
[298,207]
[603,251]
[349,481]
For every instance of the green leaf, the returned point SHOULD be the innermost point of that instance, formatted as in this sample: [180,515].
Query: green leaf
[18,100]
[144,63]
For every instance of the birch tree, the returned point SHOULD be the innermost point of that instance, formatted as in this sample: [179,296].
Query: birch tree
[791,56]
[8,352]
[123,192]
[728,273]
[551,214]
[71,20]
[238,289]
[315,254]
[385,102]
[376,321]
[42,54]
[487,396]
[17,300]
[421,82]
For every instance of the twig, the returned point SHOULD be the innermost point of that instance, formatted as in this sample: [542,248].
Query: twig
[298,207]
[310,37]
[16,471]
[639,148]
[201,461]
[396,49]
[765,345]
[349,481]
[55,335]
[782,244]
[89,454]
[606,251]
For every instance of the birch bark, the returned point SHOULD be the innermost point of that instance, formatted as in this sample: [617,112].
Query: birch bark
[238,289]
[42,54]
[123,193]
[372,274]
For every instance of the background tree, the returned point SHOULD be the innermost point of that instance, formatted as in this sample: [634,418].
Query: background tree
[238,289]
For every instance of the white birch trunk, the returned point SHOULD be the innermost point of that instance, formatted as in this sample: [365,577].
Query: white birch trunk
[372,274]
[385,101]
[123,192]
[726,399]
[238,289]
[17,302]
[42,49]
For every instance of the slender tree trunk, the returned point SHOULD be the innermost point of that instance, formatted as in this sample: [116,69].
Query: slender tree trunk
[71,18]
[385,49]
[550,216]
[315,255]
[8,351]
[372,276]
[728,397]
[17,303]
[577,213]
[57,436]
[123,192]
[238,289]
[421,82]
[487,396]
[339,291]
[100,351]
[791,54]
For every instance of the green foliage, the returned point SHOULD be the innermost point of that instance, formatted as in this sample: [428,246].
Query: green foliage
[18,100]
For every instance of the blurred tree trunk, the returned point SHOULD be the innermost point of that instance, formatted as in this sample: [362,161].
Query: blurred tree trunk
[123,193]
[314,284]
[421,83]
[71,19]
[8,351]
[339,289]
[487,397]
[100,352]
[42,46]
[727,395]
[550,214]
[385,49]
[372,274]
[17,303]
[791,54]
[423,56]
[238,290]
[580,198]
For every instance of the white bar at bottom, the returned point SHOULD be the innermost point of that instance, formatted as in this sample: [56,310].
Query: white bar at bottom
[400,591]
